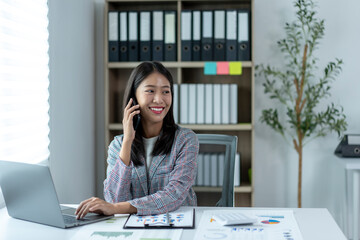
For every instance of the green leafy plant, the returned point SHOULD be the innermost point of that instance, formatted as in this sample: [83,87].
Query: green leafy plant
[297,87]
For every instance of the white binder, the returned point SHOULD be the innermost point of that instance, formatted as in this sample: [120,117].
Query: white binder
[192,103]
[200,101]
[214,170]
[184,103]
[233,103]
[209,104]
[221,159]
[207,171]
[237,170]
[225,103]
[200,175]
[217,104]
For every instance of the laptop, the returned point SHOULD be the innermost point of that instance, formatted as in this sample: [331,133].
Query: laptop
[30,195]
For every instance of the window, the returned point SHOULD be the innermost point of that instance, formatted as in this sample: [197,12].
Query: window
[24,82]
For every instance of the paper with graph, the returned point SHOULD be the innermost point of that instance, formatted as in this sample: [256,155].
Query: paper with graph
[271,224]
[181,218]
[137,235]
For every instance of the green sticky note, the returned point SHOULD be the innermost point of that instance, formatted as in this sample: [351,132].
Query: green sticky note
[235,68]
[223,68]
[210,68]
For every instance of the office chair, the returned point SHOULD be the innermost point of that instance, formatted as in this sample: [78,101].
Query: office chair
[230,143]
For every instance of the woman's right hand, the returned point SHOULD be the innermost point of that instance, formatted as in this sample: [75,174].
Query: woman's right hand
[129,112]
[129,133]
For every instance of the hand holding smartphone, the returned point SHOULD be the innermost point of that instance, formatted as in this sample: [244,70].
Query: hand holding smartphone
[136,118]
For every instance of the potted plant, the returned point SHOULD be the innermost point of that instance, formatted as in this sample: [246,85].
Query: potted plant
[298,89]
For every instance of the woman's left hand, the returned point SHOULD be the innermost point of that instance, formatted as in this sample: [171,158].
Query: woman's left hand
[95,205]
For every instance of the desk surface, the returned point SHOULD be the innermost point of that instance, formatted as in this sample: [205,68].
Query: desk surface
[314,223]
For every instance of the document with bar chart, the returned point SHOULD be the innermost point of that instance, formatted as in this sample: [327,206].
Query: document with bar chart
[271,224]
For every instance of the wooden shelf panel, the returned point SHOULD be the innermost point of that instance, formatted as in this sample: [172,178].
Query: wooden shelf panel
[119,65]
[219,127]
[186,72]
[140,1]
[184,1]
[241,189]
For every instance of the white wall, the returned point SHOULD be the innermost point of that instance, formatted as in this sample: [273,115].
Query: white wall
[72,98]
[276,160]
[101,154]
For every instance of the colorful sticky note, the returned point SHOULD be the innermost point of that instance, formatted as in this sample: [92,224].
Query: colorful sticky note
[210,68]
[222,68]
[235,68]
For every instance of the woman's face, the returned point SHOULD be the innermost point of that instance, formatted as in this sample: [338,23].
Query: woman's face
[154,97]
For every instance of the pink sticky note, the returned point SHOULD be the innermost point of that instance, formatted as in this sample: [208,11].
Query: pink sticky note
[222,68]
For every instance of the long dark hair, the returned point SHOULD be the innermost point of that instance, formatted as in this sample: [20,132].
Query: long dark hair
[164,143]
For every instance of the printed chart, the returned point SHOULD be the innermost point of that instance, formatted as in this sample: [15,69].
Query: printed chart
[280,225]
[163,234]
[112,235]
[153,219]
[179,218]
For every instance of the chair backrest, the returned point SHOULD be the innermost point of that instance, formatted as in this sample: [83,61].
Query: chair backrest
[230,143]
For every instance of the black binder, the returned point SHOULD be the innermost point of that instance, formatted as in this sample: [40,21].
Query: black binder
[207,36]
[219,35]
[186,30]
[123,38]
[231,35]
[244,35]
[196,36]
[349,146]
[113,36]
[170,36]
[157,35]
[145,36]
[133,36]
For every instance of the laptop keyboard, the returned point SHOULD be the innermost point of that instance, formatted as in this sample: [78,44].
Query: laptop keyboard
[72,219]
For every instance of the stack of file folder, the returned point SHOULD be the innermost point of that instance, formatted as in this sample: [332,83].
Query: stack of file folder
[215,35]
[206,35]
[142,36]
[206,103]
[210,171]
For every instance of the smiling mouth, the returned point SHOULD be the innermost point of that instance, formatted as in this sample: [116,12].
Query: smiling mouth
[157,110]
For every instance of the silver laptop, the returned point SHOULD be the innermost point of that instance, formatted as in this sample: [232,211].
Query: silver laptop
[29,194]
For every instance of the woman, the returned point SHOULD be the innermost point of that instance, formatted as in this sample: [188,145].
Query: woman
[151,170]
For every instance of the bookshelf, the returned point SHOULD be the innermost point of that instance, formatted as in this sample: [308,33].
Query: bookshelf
[117,73]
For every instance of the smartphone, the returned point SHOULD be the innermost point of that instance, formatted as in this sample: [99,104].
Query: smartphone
[136,118]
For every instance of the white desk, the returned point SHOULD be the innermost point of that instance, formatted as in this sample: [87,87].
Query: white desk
[314,224]
[352,168]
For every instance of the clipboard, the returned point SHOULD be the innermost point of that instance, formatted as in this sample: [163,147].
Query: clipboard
[181,218]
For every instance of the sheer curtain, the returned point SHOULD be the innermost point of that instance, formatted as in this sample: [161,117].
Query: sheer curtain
[24,82]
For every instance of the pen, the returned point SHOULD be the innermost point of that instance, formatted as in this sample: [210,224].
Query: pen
[270,216]
[167,218]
